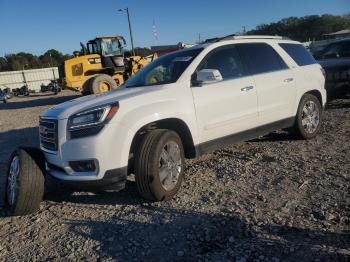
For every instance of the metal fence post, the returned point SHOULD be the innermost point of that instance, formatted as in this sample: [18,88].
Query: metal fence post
[53,72]
[24,78]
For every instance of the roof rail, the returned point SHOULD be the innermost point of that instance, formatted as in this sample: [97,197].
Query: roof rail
[236,37]
[258,37]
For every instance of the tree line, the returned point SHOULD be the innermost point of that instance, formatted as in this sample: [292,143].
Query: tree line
[303,29]
[23,61]
[307,28]
[51,58]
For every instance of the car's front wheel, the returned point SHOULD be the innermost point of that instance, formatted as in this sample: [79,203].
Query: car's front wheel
[159,165]
[308,118]
[25,182]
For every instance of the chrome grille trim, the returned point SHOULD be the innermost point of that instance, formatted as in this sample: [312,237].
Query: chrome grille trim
[48,133]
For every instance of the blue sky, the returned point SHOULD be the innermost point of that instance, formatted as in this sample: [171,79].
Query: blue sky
[37,25]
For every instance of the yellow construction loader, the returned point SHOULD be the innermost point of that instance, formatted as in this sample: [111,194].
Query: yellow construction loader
[100,66]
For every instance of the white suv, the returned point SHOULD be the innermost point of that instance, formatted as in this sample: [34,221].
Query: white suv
[183,105]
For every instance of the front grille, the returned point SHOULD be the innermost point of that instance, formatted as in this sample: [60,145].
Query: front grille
[48,134]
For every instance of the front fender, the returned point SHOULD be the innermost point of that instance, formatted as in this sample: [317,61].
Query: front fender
[142,116]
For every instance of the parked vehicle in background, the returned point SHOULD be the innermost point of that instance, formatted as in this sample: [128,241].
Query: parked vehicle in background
[182,105]
[22,91]
[3,96]
[53,86]
[335,60]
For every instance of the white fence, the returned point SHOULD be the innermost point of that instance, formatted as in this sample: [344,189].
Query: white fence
[33,78]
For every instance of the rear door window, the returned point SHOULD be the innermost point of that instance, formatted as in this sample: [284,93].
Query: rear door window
[299,54]
[261,58]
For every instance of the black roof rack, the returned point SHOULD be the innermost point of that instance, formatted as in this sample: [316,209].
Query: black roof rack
[236,37]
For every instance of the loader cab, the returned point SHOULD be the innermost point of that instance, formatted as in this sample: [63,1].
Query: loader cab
[106,46]
[93,47]
[111,50]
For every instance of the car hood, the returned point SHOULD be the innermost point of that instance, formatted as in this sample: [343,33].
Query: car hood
[65,110]
[334,62]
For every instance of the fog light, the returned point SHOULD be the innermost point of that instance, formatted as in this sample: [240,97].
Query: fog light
[83,166]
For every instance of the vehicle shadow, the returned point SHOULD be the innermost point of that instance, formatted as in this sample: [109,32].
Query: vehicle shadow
[46,101]
[216,236]
[273,137]
[59,192]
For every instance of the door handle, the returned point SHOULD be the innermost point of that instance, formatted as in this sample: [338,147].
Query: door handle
[247,88]
[290,79]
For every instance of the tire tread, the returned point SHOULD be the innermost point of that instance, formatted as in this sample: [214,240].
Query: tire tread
[30,185]
[143,181]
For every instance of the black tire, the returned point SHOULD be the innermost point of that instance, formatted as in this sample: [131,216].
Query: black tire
[147,162]
[86,89]
[95,83]
[29,183]
[298,130]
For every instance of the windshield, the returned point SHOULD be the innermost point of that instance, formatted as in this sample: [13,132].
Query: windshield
[164,70]
[111,47]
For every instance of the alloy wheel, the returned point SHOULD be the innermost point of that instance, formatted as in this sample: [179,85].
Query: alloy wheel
[170,165]
[310,118]
[12,183]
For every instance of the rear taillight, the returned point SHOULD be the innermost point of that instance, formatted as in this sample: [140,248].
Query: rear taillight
[323,72]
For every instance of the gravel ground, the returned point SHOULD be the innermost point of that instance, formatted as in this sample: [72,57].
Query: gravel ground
[270,199]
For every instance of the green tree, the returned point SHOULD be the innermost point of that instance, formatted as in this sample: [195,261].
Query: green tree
[304,28]
[22,60]
[3,64]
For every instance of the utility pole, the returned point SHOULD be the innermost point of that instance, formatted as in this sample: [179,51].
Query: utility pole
[130,30]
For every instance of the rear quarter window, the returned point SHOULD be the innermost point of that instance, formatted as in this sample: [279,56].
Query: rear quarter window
[299,54]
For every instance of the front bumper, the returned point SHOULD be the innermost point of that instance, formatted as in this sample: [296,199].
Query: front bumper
[114,179]
[104,148]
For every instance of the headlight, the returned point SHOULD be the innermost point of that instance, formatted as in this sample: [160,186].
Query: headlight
[90,122]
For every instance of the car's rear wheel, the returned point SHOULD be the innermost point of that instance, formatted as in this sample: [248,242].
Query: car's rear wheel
[25,183]
[159,165]
[308,118]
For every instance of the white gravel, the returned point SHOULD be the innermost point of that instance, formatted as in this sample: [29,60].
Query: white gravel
[270,199]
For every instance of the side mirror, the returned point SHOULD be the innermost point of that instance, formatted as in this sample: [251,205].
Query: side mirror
[206,76]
